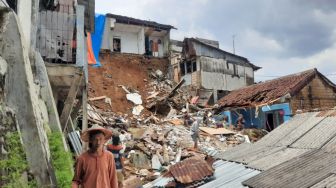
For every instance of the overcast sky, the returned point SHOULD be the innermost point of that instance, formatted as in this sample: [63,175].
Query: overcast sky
[282,37]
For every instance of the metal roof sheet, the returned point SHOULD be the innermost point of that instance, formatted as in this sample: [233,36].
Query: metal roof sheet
[328,182]
[319,135]
[191,170]
[229,174]
[303,171]
[242,152]
[301,129]
[268,161]
[282,132]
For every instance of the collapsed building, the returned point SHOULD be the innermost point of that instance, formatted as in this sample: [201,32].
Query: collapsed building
[211,70]
[268,104]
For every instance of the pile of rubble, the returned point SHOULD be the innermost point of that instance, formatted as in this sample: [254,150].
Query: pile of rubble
[158,141]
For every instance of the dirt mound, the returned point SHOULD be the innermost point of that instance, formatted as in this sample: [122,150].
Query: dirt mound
[132,71]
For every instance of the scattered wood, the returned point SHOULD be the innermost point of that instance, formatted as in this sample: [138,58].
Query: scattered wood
[97,98]
[217,131]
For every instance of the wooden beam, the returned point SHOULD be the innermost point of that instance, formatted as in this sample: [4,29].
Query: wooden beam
[69,101]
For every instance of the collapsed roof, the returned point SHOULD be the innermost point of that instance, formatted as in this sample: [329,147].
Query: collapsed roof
[272,90]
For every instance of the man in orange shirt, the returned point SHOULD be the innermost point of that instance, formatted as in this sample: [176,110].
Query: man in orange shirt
[96,167]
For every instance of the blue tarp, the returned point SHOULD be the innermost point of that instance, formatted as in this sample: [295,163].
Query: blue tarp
[97,36]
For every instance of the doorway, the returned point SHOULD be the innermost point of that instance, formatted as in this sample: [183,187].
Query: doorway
[116,44]
[273,119]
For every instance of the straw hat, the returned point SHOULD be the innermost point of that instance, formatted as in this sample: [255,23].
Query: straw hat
[86,134]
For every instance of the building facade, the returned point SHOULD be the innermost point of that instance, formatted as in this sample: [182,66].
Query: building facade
[129,35]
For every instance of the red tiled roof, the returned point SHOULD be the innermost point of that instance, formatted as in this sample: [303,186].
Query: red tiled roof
[191,170]
[271,90]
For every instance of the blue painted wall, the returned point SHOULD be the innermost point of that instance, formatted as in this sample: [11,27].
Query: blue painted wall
[284,106]
[251,121]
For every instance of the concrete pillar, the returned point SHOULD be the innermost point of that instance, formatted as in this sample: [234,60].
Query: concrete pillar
[20,94]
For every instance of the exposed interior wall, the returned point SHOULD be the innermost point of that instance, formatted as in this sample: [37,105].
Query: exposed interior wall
[315,95]
[162,48]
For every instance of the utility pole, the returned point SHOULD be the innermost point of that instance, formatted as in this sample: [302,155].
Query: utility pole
[233,44]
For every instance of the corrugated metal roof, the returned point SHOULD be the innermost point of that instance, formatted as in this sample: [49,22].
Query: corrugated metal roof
[328,182]
[268,161]
[301,130]
[282,132]
[229,174]
[303,171]
[191,170]
[318,136]
[244,151]
[75,142]
[159,182]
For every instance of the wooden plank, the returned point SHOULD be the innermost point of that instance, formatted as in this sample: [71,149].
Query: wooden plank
[97,98]
[214,131]
[69,101]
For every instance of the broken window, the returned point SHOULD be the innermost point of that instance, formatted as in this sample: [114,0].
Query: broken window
[116,44]
[194,66]
[182,69]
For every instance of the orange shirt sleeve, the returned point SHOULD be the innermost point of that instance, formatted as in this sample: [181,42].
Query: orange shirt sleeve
[113,173]
[78,176]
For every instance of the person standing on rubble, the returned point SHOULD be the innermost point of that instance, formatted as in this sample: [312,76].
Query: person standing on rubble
[194,131]
[96,167]
[116,149]
[240,122]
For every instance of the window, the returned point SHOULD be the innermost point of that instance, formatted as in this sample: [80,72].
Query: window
[194,66]
[182,69]
[235,70]
[116,44]
[189,67]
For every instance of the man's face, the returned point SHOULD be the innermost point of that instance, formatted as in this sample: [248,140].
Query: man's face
[98,141]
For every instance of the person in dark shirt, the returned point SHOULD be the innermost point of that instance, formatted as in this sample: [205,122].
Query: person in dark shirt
[116,149]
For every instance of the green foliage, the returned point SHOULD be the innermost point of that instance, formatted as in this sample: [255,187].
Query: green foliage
[62,160]
[15,164]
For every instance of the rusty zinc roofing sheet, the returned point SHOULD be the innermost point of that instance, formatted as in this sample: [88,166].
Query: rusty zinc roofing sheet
[270,90]
[191,170]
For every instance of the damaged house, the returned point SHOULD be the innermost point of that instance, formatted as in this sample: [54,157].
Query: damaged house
[212,70]
[129,35]
[267,105]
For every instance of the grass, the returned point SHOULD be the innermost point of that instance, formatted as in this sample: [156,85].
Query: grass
[61,160]
[15,164]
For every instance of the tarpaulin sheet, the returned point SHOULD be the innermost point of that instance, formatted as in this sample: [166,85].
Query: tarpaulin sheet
[90,55]
[97,36]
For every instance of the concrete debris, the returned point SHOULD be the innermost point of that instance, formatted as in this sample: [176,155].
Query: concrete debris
[156,164]
[137,110]
[135,98]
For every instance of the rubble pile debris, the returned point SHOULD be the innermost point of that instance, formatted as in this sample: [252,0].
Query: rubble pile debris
[150,112]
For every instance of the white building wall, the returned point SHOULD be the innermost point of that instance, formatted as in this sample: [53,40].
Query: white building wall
[24,8]
[129,41]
